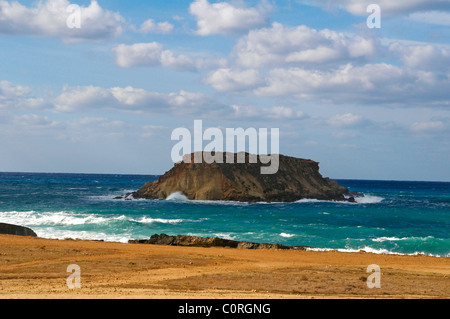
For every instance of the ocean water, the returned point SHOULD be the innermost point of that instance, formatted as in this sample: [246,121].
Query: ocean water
[393,218]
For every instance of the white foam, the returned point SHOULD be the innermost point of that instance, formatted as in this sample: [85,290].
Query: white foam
[349,250]
[51,233]
[178,197]
[312,200]
[148,220]
[285,235]
[113,196]
[369,199]
[382,239]
[367,249]
[225,236]
[63,218]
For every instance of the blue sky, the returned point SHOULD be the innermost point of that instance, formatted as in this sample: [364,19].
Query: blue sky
[104,98]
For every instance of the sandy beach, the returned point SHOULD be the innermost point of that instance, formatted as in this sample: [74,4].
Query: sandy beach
[37,268]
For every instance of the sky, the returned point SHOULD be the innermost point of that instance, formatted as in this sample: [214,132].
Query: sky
[99,86]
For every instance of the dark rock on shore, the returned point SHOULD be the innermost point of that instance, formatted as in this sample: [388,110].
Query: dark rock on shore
[296,179]
[127,196]
[7,229]
[194,241]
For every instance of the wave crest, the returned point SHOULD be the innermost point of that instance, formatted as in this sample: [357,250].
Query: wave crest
[178,197]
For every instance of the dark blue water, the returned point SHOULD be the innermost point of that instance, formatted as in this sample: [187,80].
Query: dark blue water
[394,217]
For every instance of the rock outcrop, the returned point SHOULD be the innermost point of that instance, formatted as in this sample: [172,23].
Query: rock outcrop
[7,229]
[194,241]
[296,179]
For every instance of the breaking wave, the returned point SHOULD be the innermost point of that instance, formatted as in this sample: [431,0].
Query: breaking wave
[378,251]
[285,235]
[178,197]
[62,218]
[367,199]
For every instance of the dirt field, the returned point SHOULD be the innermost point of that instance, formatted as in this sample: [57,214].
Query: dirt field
[37,268]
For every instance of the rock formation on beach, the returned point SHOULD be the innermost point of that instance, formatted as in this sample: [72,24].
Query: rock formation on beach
[296,179]
[194,241]
[7,229]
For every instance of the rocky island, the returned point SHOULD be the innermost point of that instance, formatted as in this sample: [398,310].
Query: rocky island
[296,179]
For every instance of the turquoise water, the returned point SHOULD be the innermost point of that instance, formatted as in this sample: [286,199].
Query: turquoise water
[394,217]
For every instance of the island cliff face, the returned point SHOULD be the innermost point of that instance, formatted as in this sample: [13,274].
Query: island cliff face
[296,179]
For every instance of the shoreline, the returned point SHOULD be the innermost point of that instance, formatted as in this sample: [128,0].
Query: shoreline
[208,242]
[32,267]
[279,246]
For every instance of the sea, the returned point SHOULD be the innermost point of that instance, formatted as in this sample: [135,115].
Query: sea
[393,217]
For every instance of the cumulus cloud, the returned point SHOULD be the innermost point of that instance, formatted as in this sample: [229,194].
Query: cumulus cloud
[138,54]
[368,84]
[423,57]
[329,66]
[301,45]
[129,99]
[234,80]
[85,99]
[225,18]
[34,121]
[9,90]
[150,26]
[81,98]
[154,54]
[18,97]
[388,7]
[49,19]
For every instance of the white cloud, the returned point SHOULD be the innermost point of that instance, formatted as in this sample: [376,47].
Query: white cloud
[328,66]
[301,45]
[423,57]
[9,90]
[388,7]
[18,97]
[129,99]
[84,99]
[225,18]
[49,19]
[138,54]
[150,26]
[81,98]
[234,80]
[33,121]
[368,84]
[154,54]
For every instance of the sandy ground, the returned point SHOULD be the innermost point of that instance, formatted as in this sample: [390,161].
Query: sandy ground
[37,268]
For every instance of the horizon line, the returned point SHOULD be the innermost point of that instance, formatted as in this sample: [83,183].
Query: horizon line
[141,174]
